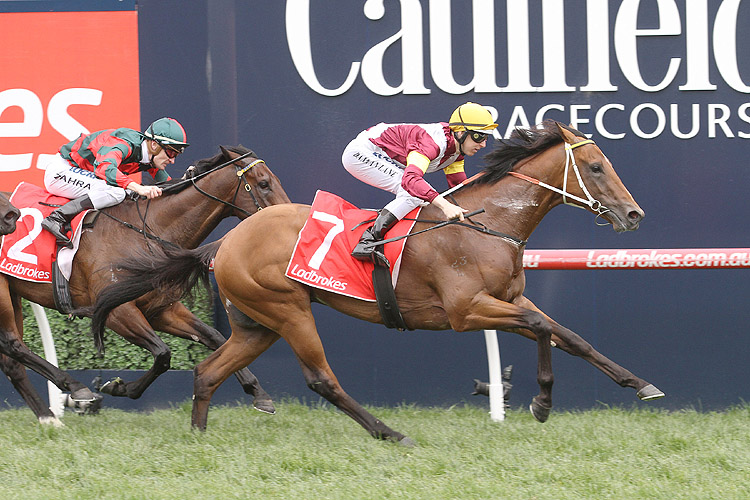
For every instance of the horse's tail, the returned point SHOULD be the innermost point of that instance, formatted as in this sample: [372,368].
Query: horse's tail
[174,270]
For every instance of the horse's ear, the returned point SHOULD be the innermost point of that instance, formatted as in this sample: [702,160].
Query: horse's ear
[567,135]
[224,151]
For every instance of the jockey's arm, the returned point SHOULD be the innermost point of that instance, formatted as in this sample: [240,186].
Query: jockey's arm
[454,173]
[147,191]
[413,183]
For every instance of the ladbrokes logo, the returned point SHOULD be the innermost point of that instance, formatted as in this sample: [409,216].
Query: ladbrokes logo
[43,103]
[19,269]
[314,278]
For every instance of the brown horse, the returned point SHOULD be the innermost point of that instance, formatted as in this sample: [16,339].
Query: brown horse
[451,278]
[234,182]
[8,215]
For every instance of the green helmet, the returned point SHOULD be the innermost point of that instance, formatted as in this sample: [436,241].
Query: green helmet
[168,132]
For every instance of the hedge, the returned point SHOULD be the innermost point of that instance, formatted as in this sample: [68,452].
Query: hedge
[75,344]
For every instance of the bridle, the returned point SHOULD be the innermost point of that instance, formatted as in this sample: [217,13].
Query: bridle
[592,203]
[192,177]
[241,171]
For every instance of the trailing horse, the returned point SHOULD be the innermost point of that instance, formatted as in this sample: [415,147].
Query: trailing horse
[8,215]
[526,176]
[234,182]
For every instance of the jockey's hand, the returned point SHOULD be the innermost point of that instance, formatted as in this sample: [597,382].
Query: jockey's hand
[450,210]
[149,192]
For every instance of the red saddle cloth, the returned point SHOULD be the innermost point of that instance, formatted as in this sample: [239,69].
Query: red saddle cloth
[322,256]
[28,252]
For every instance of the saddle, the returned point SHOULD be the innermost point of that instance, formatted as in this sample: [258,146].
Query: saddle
[321,257]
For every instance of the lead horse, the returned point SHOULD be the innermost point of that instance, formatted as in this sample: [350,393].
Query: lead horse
[233,182]
[451,278]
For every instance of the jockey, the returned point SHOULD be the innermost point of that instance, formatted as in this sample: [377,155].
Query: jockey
[395,157]
[93,169]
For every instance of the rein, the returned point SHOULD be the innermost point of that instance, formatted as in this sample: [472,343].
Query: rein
[594,204]
[192,179]
[438,224]
[570,160]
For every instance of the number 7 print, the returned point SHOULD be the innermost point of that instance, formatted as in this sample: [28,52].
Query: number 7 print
[338,227]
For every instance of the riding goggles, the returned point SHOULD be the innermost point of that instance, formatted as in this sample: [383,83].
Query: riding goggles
[478,136]
[171,151]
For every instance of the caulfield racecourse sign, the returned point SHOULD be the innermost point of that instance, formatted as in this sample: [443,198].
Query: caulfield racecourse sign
[707,62]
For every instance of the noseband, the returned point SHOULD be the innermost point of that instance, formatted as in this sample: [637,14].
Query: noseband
[570,160]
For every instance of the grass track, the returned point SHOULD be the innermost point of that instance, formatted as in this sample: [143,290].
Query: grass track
[315,452]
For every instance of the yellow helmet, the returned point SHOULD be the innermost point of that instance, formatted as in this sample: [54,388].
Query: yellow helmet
[472,116]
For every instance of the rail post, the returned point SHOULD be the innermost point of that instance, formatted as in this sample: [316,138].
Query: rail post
[50,354]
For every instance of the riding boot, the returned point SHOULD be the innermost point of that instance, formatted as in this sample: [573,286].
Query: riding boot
[58,221]
[367,249]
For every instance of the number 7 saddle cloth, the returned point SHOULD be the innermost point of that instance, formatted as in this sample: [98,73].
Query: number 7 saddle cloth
[29,251]
[322,255]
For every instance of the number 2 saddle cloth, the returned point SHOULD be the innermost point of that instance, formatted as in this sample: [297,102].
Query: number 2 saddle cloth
[29,251]
[322,256]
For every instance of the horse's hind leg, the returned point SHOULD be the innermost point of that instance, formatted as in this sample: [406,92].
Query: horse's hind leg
[303,338]
[243,347]
[179,321]
[127,321]
[17,375]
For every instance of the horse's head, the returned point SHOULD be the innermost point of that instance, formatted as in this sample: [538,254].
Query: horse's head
[593,184]
[237,178]
[8,215]
[260,187]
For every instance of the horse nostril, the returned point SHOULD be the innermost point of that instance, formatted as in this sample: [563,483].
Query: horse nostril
[635,216]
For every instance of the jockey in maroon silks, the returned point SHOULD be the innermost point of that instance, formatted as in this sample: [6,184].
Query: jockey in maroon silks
[94,169]
[395,157]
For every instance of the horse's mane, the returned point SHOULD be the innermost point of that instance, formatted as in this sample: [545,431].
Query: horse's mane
[522,143]
[201,166]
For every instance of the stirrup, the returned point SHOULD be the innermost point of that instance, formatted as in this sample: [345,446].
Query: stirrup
[55,228]
[370,253]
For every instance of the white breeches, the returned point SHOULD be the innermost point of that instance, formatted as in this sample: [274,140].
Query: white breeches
[368,163]
[63,179]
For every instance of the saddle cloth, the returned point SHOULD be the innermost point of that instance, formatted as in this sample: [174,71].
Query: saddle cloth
[322,255]
[28,252]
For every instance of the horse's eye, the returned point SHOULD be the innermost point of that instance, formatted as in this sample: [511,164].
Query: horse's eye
[264,185]
[596,167]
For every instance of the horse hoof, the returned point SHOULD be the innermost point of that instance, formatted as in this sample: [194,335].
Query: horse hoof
[540,411]
[53,421]
[114,387]
[407,442]
[264,405]
[84,401]
[649,392]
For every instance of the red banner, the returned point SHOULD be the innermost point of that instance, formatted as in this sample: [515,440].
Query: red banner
[58,82]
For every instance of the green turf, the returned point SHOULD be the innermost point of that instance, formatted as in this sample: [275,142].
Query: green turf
[316,452]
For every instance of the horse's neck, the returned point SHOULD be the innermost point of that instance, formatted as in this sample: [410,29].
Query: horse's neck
[185,218]
[515,206]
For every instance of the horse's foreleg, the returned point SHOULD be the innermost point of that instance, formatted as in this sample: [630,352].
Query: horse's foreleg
[17,350]
[486,312]
[572,343]
[242,348]
[129,323]
[17,375]
[179,321]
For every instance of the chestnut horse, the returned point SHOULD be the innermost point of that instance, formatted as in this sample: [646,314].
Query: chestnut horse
[234,182]
[550,165]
